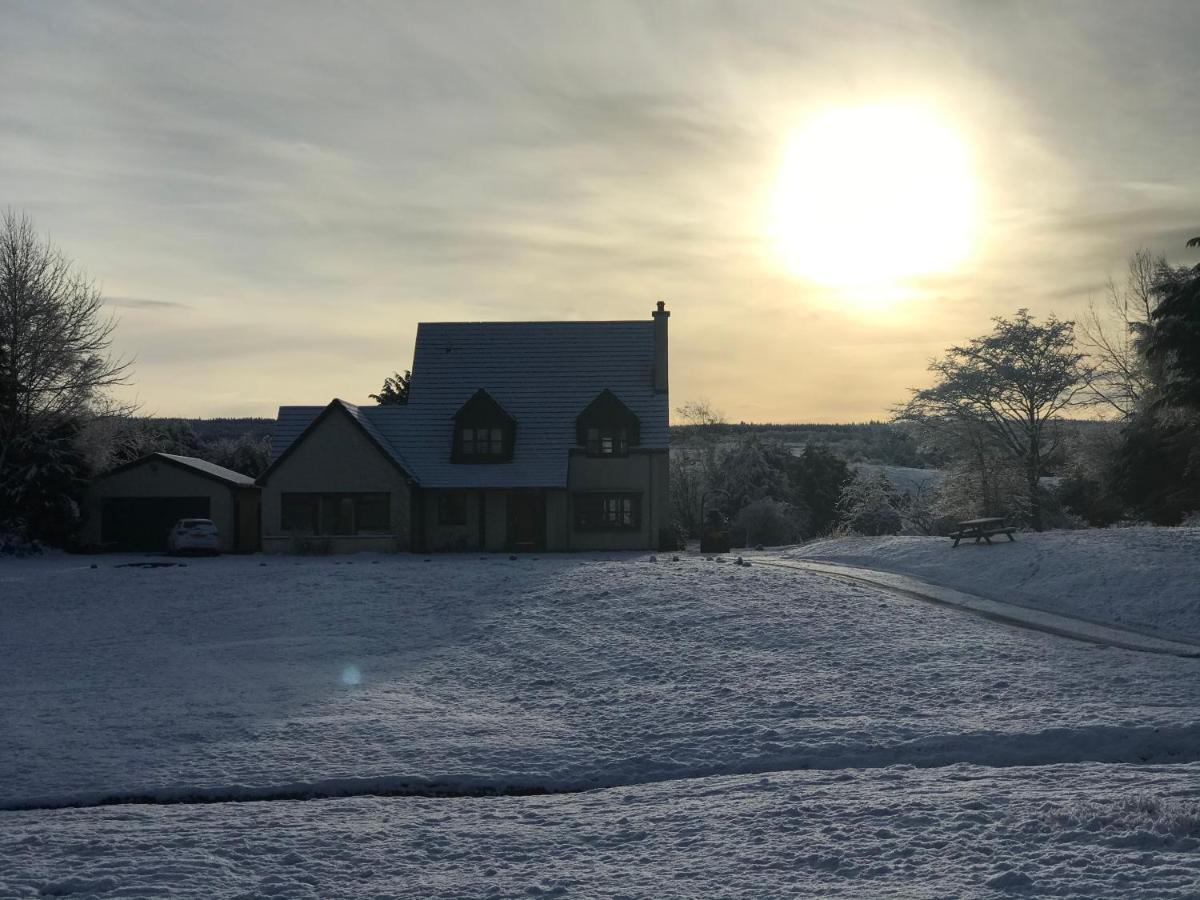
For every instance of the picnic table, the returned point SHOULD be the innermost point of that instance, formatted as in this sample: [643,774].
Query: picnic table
[981,529]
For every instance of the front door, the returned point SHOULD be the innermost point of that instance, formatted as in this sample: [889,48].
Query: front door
[526,520]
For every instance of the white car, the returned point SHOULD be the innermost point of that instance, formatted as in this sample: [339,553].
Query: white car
[193,536]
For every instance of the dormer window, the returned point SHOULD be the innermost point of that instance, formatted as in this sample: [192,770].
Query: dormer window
[607,427]
[607,441]
[481,441]
[483,431]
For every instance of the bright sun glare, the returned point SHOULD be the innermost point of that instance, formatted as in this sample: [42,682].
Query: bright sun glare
[869,196]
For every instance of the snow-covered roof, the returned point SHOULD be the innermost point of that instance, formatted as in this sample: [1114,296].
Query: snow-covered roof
[542,373]
[207,468]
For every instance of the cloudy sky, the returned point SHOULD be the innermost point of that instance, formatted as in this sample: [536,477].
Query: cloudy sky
[272,195]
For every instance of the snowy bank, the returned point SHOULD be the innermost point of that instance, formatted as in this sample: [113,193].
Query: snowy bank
[1145,579]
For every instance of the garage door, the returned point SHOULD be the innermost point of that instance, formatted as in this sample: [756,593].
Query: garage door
[142,523]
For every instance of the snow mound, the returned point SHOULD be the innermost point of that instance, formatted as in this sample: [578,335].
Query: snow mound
[1143,579]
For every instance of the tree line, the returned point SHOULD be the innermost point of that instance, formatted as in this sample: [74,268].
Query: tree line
[996,422]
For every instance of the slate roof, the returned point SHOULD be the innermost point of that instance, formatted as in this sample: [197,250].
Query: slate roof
[211,469]
[543,374]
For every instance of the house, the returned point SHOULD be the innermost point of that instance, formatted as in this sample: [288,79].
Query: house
[517,436]
[133,507]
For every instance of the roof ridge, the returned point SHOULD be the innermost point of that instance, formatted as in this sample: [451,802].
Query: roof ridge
[648,322]
[201,463]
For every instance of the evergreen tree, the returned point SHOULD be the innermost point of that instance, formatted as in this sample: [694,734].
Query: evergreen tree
[1173,338]
[395,389]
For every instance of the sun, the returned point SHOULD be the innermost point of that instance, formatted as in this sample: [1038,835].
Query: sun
[871,196]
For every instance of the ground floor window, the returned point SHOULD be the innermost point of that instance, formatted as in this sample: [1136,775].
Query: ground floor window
[360,513]
[608,512]
[452,508]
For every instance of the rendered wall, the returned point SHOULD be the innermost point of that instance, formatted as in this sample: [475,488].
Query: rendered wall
[645,473]
[336,457]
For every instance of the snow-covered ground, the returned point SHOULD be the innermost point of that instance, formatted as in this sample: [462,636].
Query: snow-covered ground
[1084,831]
[903,478]
[737,731]
[1146,579]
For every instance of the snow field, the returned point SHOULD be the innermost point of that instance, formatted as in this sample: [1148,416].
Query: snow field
[739,731]
[228,677]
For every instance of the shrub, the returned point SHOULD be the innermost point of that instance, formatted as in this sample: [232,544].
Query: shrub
[770,522]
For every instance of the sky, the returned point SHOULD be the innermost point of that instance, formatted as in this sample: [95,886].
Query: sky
[271,196]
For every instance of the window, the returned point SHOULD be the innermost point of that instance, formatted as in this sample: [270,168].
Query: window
[607,441]
[336,513]
[300,513]
[607,427]
[452,508]
[483,431]
[482,442]
[608,512]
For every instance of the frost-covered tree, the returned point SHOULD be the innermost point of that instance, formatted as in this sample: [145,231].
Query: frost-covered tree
[247,454]
[1007,388]
[753,469]
[869,505]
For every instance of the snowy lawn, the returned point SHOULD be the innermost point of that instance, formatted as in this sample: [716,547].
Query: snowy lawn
[249,676]
[1145,579]
[553,672]
[1084,831]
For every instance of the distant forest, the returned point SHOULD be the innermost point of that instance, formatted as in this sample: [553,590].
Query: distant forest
[208,430]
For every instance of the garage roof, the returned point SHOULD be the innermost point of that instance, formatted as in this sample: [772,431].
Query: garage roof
[199,466]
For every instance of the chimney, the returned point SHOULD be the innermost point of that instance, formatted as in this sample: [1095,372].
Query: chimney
[660,348]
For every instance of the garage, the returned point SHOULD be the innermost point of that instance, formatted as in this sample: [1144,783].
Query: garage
[131,508]
[142,523]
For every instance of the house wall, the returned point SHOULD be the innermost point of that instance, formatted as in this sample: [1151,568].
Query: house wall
[248,511]
[647,473]
[336,457]
[496,516]
[156,478]
[558,520]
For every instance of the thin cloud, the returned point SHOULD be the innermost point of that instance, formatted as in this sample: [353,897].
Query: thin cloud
[143,303]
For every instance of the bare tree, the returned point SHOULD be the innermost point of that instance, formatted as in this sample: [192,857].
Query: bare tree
[54,362]
[1009,385]
[699,412]
[694,467]
[54,339]
[1111,332]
